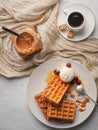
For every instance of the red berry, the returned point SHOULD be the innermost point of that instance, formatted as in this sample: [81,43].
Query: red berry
[68,65]
[76,78]
[78,82]
[56,71]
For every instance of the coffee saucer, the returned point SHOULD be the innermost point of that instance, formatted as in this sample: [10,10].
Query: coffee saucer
[89,21]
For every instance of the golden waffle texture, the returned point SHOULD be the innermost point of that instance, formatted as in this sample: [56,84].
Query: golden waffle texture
[55,90]
[42,103]
[52,103]
[66,111]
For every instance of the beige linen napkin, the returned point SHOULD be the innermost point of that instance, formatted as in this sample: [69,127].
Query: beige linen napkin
[16,14]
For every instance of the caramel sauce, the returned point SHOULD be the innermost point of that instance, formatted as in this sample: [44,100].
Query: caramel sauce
[78,101]
[26,42]
[72,95]
[82,103]
[82,109]
[87,99]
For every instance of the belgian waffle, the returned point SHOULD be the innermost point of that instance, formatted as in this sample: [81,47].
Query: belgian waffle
[55,90]
[42,103]
[66,111]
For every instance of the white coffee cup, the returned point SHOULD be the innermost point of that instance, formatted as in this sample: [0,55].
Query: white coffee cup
[75,20]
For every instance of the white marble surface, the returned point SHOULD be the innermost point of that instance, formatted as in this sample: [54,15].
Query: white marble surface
[14,111]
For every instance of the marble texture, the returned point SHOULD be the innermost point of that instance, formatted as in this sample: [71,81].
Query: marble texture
[14,111]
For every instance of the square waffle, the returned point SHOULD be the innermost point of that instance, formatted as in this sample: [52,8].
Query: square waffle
[66,111]
[42,103]
[55,90]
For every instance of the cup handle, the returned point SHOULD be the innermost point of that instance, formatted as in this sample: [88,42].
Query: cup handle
[66,12]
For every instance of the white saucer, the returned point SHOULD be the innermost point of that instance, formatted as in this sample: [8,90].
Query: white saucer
[89,21]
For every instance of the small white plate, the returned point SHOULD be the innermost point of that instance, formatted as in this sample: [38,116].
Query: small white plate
[37,84]
[89,21]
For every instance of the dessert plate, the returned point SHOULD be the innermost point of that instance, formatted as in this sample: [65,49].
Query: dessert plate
[37,84]
[89,21]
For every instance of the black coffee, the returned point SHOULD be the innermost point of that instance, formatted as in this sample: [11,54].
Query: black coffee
[75,19]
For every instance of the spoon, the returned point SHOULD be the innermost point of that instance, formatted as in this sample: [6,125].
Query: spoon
[12,32]
[80,90]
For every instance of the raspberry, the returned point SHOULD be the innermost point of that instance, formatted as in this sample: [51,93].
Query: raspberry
[68,65]
[78,82]
[56,71]
[76,78]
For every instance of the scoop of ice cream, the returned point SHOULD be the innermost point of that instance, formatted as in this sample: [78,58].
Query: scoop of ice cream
[67,74]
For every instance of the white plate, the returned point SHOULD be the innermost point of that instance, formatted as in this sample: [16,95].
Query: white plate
[37,84]
[89,21]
